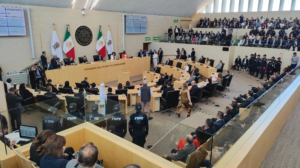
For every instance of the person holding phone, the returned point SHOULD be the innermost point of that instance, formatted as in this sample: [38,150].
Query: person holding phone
[13,100]
[185,100]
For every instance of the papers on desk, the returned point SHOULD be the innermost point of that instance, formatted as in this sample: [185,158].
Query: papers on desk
[15,136]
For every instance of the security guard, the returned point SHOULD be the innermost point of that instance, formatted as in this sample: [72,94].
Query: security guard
[273,63]
[269,68]
[262,32]
[51,121]
[119,121]
[278,65]
[257,65]
[251,60]
[96,116]
[263,66]
[72,110]
[138,126]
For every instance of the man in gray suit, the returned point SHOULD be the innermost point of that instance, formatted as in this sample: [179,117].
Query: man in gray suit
[192,78]
[184,152]
[13,100]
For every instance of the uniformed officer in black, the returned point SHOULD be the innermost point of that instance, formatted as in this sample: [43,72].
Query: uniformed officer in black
[269,68]
[119,121]
[73,110]
[51,121]
[251,60]
[138,126]
[263,66]
[95,115]
[262,32]
[257,65]
[277,66]
[273,63]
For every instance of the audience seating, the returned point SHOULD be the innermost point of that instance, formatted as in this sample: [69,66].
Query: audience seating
[171,100]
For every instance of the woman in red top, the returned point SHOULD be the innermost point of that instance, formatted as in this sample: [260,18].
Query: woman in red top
[199,138]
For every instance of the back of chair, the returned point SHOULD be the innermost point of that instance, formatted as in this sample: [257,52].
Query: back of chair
[229,80]
[44,102]
[190,67]
[72,99]
[5,87]
[171,62]
[121,91]
[178,65]
[65,90]
[224,84]
[23,162]
[80,59]
[96,57]
[79,85]
[212,89]
[222,67]
[171,77]
[172,98]
[199,94]
[113,100]
[113,97]
[67,61]
[158,70]
[95,92]
[197,79]
[129,87]
[212,62]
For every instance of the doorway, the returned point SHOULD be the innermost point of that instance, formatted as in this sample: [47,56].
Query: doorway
[145,46]
[185,24]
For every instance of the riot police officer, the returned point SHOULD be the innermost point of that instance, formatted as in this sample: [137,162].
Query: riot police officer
[269,68]
[138,126]
[278,65]
[257,65]
[263,66]
[95,116]
[251,60]
[51,121]
[119,121]
[73,110]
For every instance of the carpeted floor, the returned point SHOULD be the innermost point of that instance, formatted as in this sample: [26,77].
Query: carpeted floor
[285,151]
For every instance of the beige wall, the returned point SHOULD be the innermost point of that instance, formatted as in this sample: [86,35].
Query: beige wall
[213,52]
[15,52]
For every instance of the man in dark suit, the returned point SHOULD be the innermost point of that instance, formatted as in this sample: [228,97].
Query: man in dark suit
[232,109]
[201,59]
[160,55]
[227,117]
[219,123]
[44,60]
[49,66]
[109,91]
[166,76]
[281,43]
[182,154]
[50,93]
[193,89]
[85,83]
[161,80]
[0,74]
[245,63]
[183,53]
[168,62]
[261,91]
[208,128]
[193,70]
[140,54]
[156,70]
[13,101]
[193,54]
[243,103]
[54,62]
[237,63]
[247,42]
[49,83]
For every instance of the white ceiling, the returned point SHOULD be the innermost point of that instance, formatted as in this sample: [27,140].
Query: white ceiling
[180,8]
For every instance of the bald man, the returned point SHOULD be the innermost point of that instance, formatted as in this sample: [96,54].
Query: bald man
[184,152]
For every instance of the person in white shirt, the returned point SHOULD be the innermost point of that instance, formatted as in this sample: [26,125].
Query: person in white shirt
[8,81]
[186,67]
[205,38]
[251,37]
[241,42]
[113,56]
[189,58]
[155,56]
[262,19]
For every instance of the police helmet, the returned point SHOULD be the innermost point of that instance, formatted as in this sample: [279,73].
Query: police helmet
[52,109]
[72,106]
[138,106]
[116,108]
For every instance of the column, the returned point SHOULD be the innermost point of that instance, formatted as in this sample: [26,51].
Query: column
[250,5]
[260,5]
[241,5]
[208,8]
[281,5]
[293,7]
[270,5]
[216,6]
[224,6]
[231,6]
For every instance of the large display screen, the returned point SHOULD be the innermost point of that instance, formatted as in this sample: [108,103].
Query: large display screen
[12,21]
[136,24]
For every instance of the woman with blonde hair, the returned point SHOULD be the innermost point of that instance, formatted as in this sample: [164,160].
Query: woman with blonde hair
[185,100]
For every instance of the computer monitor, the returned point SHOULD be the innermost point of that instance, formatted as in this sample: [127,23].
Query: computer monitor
[121,91]
[79,85]
[65,90]
[28,132]
[128,87]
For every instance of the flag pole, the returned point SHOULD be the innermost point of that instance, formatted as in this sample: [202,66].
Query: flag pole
[54,28]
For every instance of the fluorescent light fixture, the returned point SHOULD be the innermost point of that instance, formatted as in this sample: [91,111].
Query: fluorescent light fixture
[94,4]
[73,4]
[86,4]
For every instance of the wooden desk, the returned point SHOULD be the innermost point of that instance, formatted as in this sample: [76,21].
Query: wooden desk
[179,74]
[99,72]
[204,70]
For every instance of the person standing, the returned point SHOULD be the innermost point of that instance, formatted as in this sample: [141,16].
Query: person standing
[51,121]
[39,76]
[170,32]
[193,55]
[185,100]
[138,126]
[277,66]
[155,56]
[160,55]
[32,77]
[295,60]
[145,92]
[14,106]
[44,60]
[258,65]
[263,66]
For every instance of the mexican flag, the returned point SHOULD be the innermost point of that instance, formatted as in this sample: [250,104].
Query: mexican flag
[68,46]
[100,44]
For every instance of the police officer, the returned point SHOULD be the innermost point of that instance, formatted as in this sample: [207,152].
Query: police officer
[277,66]
[263,66]
[73,110]
[262,32]
[119,121]
[51,121]
[251,60]
[138,126]
[269,68]
[257,65]
[96,116]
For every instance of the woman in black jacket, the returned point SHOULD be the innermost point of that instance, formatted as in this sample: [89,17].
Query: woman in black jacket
[67,86]
[26,95]
[32,77]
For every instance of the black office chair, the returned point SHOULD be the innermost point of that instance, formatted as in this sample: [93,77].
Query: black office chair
[211,92]
[197,98]
[190,67]
[42,88]
[157,70]
[72,99]
[197,79]
[170,101]
[67,61]
[81,106]
[178,65]
[66,90]
[5,87]
[114,98]
[92,91]
[129,87]
[170,78]
[96,57]
[121,91]
[80,59]
[110,105]
[212,62]
[221,69]
[79,85]
[171,62]
[229,81]
[44,102]
[223,87]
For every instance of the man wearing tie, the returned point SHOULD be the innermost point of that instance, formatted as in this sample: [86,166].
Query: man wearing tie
[49,66]
[44,60]
[168,62]
[140,54]
[245,63]
[54,62]
[160,55]
[176,31]
[246,42]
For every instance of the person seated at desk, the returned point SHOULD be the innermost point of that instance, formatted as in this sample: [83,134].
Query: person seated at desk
[207,62]
[219,66]
[226,74]
[193,70]
[71,61]
[26,95]
[85,61]
[189,58]
[220,79]
[218,121]
[155,69]
[53,152]
[54,62]
[109,91]
[242,102]
[73,110]
[67,86]
[52,121]
[85,83]
[94,87]
[49,83]
[120,86]
[50,93]
[161,80]
[113,56]
[37,145]
[182,154]
[180,56]
[165,91]
[186,68]
[166,76]
[7,142]
[127,83]
[192,78]
[49,66]
[168,62]
[193,89]
[124,55]
[201,60]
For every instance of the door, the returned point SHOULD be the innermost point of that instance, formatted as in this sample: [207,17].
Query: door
[145,46]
